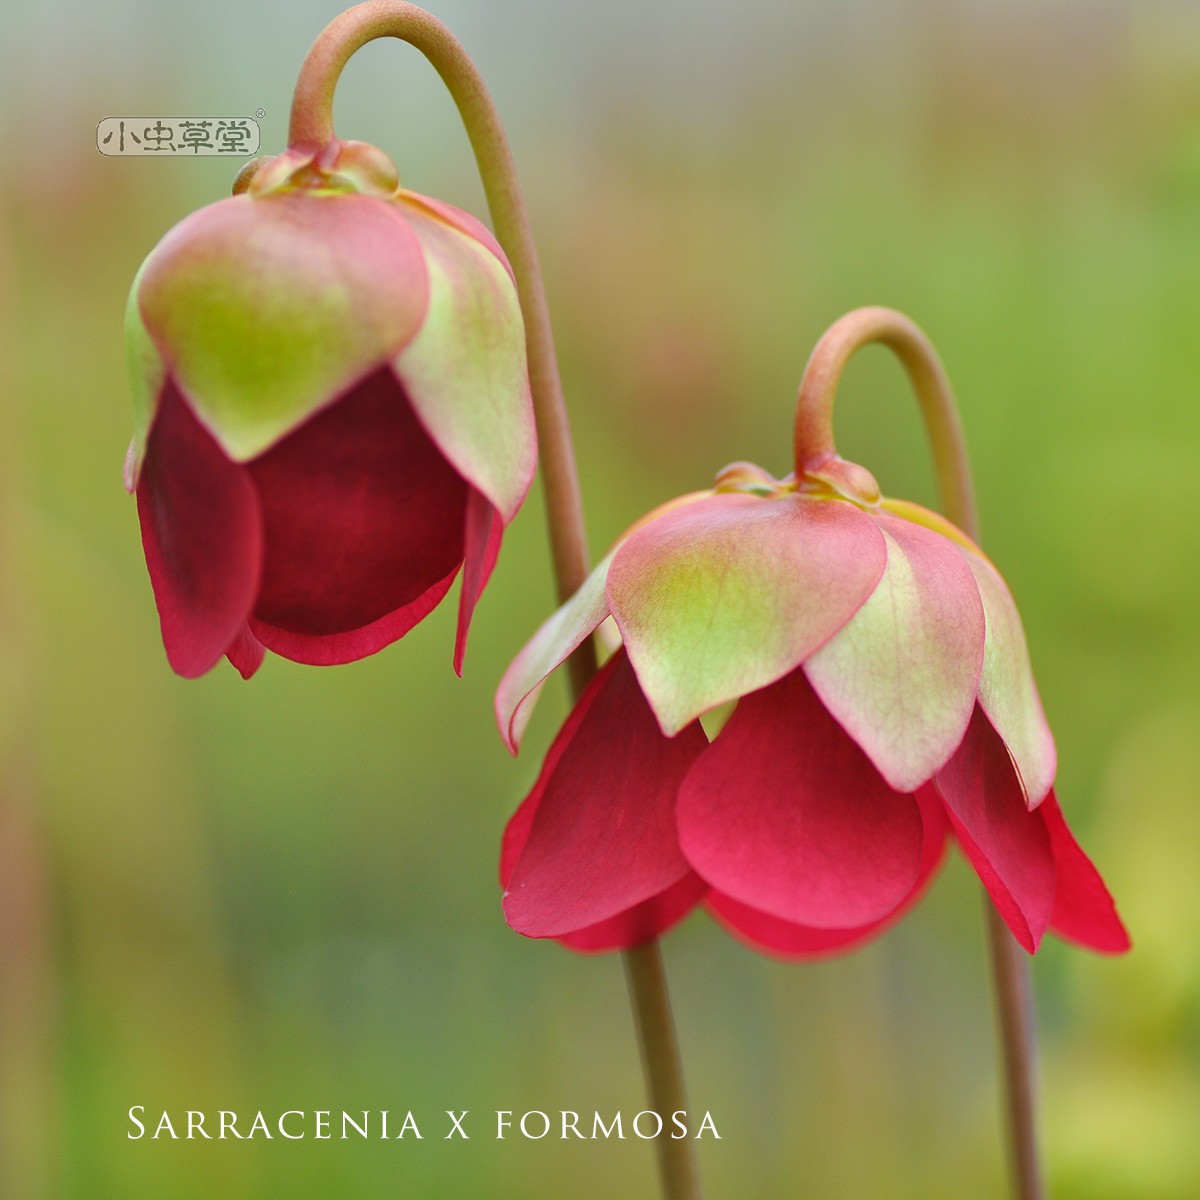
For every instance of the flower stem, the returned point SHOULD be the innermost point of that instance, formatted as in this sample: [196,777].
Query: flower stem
[814,406]
[814,445]
[312,126]
[663,1069]
[1014,1004]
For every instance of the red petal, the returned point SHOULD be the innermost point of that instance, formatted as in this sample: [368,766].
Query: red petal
[644,922]
[600,821]
[337,648]
[639,924]
[245,652]
[790,940]
[1084,911]
[785,814]
[484,528]
[362,515]
[1006,843]
[202,535]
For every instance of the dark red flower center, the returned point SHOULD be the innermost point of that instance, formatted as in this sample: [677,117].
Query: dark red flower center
[361,514]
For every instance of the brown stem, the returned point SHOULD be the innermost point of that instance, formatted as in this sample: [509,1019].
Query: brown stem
[814,405]
[1018,1039]
[814,445]
[661,1065]
[312,127]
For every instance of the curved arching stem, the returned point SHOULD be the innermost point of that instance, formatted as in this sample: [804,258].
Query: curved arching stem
[814,405]
[312,127]
[813,446]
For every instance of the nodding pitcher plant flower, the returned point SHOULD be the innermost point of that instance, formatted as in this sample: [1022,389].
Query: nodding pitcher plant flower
[884,703]
[332,413]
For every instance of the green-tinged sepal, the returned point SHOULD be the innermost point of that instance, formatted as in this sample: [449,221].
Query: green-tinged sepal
[465,372]
[146,376]
[267,308]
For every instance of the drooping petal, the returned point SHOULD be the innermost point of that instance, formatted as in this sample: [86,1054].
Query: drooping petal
[724,596]
[334,649]
[465,371]
[901,675]
[202,534]
[362,516]
[246,652]
[266,308]
[1006,844]
[1084,911]
[601,839]
[464,222]
[557,639]
[484,529]
[785,814]
[520,824]
[147,374]
[790,940]
[918,514]
[643,922]
[1007,692]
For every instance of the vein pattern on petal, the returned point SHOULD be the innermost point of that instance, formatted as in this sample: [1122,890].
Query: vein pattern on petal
[724,596]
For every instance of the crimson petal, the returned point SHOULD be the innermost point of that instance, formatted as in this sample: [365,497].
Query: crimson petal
[1006,843]
[362,517]
[202,534]
[789,940]
[481,547]
[596,836]
[246,652]
[1084,911]
[642,923]
[333,649]
[784,813]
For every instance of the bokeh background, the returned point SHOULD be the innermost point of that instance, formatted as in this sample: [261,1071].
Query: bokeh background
[282,894]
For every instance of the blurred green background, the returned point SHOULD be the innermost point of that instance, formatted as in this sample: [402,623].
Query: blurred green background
[281,894]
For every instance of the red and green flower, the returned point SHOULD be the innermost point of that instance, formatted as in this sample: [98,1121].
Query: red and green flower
[332,414]
[885,704]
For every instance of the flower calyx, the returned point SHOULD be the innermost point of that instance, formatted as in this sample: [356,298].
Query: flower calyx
[836,478]
[830,478]
[337,168]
